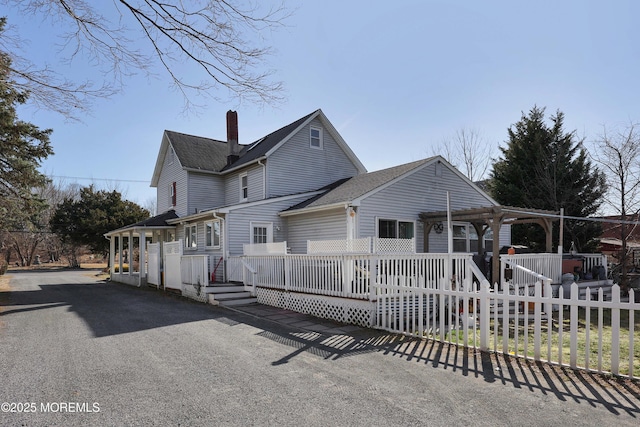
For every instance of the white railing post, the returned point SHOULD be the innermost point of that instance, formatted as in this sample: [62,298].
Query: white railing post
[287,272]
[485,315]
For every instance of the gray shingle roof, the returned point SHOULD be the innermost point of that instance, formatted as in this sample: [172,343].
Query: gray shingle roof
[195,152]
[359,185]
[260,147]
[155,221]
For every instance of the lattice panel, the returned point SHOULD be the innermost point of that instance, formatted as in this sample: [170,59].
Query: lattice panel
[359,313]
[394,246]
[191,291]
[339,246]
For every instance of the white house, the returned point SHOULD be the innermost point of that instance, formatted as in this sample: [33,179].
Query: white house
[299,183]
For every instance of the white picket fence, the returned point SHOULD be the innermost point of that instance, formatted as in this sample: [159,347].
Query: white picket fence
[445,297]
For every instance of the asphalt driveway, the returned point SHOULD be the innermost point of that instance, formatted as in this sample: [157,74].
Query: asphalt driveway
[75,350]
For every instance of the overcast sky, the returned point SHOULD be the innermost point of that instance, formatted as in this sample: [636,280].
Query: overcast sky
[395,78]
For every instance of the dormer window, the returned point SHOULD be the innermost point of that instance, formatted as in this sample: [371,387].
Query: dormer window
[315,137]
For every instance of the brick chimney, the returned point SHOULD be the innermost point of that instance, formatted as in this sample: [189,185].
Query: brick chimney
[232,137]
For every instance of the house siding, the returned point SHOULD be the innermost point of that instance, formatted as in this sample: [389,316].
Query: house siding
[255,180]
[172,173]
[311,167]
[325,225]
[205,191]
[238,222]
[422,191]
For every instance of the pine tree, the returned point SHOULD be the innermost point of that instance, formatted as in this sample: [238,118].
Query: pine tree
[544,167]
[22,147]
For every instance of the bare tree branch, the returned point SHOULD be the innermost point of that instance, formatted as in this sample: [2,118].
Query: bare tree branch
[467,151]
[218,36]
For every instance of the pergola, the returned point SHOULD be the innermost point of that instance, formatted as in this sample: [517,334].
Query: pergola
[492,217]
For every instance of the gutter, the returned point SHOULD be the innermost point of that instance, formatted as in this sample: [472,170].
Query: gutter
[319,208]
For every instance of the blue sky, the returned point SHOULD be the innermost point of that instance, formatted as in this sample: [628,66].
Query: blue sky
[395,79]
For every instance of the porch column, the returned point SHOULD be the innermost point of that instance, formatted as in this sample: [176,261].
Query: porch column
[495,264]
[130,252]
[426,230]
[120,244]
[112,255]
[546,225]
[480,232]
[142,248]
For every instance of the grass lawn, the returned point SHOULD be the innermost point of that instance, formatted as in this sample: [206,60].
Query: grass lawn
[599,353]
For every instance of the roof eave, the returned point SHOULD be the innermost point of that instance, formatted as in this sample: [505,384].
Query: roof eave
[312,209]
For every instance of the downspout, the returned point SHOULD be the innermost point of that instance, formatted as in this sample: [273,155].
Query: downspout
[264,179]
[225,253]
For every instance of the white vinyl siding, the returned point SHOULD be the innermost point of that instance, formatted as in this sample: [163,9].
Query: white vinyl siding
[422,191]
[238,222]
[172,173]
[312,168]
[205,192]
[325,225]
[233,185]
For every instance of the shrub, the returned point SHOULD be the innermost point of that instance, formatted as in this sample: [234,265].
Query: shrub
[3,268]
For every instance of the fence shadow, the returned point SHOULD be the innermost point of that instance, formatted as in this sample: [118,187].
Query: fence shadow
[618,396]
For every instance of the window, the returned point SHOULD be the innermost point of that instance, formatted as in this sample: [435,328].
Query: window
[244,187]
[190,236]
[172,194]
[465,238]
[212,234]
[172,155]
[460,238]
[261,232]
[473,239]
[315,137]
[394,229]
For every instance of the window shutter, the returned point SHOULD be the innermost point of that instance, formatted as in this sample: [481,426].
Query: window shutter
[173,194]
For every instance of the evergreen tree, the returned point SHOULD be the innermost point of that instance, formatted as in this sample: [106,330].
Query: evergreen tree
[544,167]
[84,221]
[22,147]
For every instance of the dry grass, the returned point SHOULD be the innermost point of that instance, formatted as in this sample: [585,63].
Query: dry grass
[557,348]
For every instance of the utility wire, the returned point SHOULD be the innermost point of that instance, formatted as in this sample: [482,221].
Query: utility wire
[99,179]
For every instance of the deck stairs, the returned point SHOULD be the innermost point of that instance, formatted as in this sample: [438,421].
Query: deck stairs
[229,294]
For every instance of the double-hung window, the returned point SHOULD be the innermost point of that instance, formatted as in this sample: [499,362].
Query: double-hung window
[172,194]
[315,137]
[212,234]
[394,229]
[465,238]
[191,236]
[244,187]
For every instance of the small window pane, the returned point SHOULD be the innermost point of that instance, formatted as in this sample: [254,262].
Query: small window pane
[315,138]
[459,232]
[259,234]
[405,230]
[387,229]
